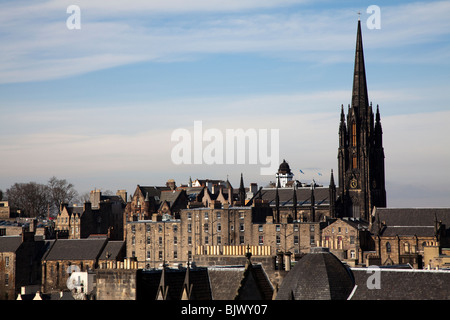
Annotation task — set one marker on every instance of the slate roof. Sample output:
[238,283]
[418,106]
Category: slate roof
[410,221]
[321,196]
[402,284]
[76,249]
[153,191]
[10,243]
[149,281]
[319,275]
[225,281]
[112,250]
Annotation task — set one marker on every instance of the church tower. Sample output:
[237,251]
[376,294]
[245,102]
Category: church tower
[361,153]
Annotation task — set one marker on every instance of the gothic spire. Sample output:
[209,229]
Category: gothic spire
[242,191]
[360,98]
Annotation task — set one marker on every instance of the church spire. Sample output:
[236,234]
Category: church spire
[360,98]
[242,192]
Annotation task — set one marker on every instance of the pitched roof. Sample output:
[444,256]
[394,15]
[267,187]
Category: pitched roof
[112,250]
[410,221]
[402,284]
[76,249]
[10,243]
[321,196]
[225,281]
[174,280]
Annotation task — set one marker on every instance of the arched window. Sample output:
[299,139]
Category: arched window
[354,134]
[388,247]
[406,247]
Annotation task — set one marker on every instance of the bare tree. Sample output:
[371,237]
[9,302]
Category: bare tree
[32,198]
[60,191]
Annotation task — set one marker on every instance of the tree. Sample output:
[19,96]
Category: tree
[60,191]
[31,198]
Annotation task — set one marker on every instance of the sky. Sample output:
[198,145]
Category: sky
[98,105]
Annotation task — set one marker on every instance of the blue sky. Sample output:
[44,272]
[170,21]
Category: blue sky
[97,106]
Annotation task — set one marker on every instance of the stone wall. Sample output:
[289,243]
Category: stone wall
[116,284]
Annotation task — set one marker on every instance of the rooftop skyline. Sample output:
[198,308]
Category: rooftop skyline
[97,106]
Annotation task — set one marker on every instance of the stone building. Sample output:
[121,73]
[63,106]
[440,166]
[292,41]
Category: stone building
[8,212]
[19,263]
[66,256]
[400,235]
[238,282]
[100,215]
[348,239]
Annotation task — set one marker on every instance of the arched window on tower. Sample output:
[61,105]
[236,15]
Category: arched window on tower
[354,134]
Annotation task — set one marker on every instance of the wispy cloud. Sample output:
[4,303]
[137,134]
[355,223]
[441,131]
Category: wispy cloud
[38,46]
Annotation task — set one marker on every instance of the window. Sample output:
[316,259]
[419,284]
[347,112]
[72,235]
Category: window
[189,227]
[189,255]
[241,215]
[175,228]
[219,240]
[311,239]
[354,135]
[206,215]
[219,227]
[6,261]
[218,215]
[278,240]
[133,228]
[261,240]
[206,240]
[133,240]
[260,228]
[339,229]
[160,255]
[160,241]
[352,254]
[148,255]
[406,247]
[175,255]
[175,240]
[277,228]
[148,240]
[206,227]
[388,247]
[352,239]
[241,240]
[295,227]
[148,228]
[241,227]
[295,239]
[6,279]
[189,216]
[189,240]
[312,228]
[160,228]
